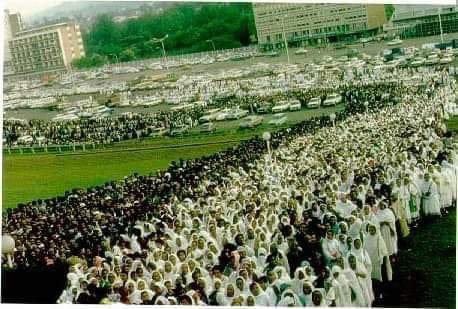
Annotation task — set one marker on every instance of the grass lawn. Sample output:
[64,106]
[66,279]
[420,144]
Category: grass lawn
[31,176]
[426,275]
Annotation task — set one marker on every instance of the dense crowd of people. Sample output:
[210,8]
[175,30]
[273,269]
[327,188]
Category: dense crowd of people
[316,221]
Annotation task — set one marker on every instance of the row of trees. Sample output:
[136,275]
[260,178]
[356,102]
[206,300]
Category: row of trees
[189,27]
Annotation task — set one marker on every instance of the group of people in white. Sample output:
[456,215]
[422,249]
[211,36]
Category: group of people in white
[315,222]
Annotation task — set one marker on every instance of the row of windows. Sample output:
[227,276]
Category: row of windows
[35,52]
[325,30]
[36,38]
[47,65]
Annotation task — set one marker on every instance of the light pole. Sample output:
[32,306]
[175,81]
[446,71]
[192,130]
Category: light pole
[117,62]
[440,25]
[284,36]
[161,40]
[333,119]
[213,45]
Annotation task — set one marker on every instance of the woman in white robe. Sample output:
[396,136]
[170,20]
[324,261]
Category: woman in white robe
[340,287]
[363,258]
[357,275]
[430,197]
[376,248]
[388,228]
[226,295]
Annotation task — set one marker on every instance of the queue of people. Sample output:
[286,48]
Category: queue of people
[316,221]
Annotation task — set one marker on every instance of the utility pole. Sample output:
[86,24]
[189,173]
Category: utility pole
[161,40]
[440,25]
[284,37]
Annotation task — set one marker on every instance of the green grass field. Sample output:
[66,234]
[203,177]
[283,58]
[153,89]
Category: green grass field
[31,176]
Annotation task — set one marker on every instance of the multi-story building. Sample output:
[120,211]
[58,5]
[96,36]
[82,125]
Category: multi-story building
[410,21]
[12,25]
[311,23]
[48,48]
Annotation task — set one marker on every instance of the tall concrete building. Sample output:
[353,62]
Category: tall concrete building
[12,25]
[309,23]
[414,20]
[48,48]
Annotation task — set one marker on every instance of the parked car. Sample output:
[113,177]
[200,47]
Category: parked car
[446,60]
[208,127]
[251,121]
[332,99]
[159,131]
[236,114]
[282,106]
[432,59]
[278,119]
[394,42]
[295,105]
[301,51]
[417,61]
[264,109]
[181,130]
[314,103]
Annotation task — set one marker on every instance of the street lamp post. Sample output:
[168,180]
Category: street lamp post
[161,40]
[333,119]
[266,136]
[440,26]
[213,45]
[284,36]
[117,62]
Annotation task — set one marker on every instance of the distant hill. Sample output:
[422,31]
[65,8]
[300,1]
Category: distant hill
[90,9]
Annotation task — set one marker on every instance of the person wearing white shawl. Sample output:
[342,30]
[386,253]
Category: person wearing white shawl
[352,275]
[146,297]
[340,287]
[226,295]
[355,227]
[343,248]
[388,228]
[134,295]
[362,257]
[282,275]
[305,296]
[445,187]
[362,275]
[289,299]
[344,206]
[330,247]
[261,298]
[430,197]
[319,298]
[376,248]
[298,281]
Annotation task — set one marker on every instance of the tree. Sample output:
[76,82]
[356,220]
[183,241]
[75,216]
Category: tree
[188,25]
[389,10]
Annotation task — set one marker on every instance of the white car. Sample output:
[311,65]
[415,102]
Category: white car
[294,105]
[222,115]
[332,99]
[25,139]
[418,61]
[278,119]
[251,122]
[394,42]
[446,60]
[301,51]
[282,106]
[314,103]
[365,40]
[236,114]
[432,60]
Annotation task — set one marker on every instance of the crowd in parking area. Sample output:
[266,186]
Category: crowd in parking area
[248,94]
[318,219]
